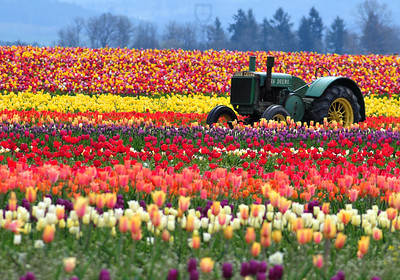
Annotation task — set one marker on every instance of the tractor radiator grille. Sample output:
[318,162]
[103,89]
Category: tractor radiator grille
[241,91]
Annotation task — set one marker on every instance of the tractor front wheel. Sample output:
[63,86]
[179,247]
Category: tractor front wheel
[221,114]
[338,103]
[275,112]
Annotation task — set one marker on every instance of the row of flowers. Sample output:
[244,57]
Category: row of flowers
[110,103]
[142,72]
[242,236]
[304,162]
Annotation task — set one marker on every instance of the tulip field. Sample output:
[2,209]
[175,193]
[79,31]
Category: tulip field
[108,170]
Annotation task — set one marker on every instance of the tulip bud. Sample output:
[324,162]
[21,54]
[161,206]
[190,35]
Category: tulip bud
[48,233]
[377,234]
[318,261]
[196,241]
[340,240]
[250,235]
[228,232]
[255,249]
[277,236]
[206,265]
[69,264]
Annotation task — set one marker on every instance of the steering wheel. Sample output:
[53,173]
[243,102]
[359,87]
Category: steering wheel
[321,68]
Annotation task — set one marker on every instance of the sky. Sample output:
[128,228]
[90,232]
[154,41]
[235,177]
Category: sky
[34,23]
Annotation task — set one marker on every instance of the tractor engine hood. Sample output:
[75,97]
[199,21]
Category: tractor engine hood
[277,79]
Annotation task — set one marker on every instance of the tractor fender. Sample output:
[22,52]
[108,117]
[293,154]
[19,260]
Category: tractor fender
[318,87]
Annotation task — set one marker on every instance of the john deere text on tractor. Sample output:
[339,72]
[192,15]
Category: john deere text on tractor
[274,96]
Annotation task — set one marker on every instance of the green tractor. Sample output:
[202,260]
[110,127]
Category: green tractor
[276,96]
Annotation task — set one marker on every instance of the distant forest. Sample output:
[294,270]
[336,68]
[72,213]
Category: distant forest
[244,33]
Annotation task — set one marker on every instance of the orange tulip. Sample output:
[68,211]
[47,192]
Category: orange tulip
[377,234]
[329,229]
[206,265]
[215,208]
[196,242]
[48,234]
[255,249]
[284,205]
[304,235]
[80,206]
[12,202]
[111,199]
[255,210]
[363,245]
[277,236]
[265,241]
[353,195]
[325,208]
[317,237]
[69,264]
[165,235]
[184,203]
[297,224]
[250,235]
[274,198]
[265,229]
[340,240]
[30,194]
[190,222]
[228,232]
[318,261]
[391,213]
[123,224]
[158,197]
[135,224]
[100,201]
[344,216]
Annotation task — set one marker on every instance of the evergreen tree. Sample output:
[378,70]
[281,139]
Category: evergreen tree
[310,32]
[336,36]
[244,31]
[277,33]
[304,34]
[317,28]
[216,36]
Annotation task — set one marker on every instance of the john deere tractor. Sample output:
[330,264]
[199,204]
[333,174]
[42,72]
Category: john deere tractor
[275,96]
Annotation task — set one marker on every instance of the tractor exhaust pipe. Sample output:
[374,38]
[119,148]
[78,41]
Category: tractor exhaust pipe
[252,63]
[270,64]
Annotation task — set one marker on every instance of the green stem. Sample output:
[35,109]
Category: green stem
[326,255]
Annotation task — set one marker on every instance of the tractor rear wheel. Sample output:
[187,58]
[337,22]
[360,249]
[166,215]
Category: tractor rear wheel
[222,115]
[337,103]
[275,112]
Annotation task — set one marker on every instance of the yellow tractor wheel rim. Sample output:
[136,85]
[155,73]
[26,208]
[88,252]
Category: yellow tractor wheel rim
[279,118]
[341,112]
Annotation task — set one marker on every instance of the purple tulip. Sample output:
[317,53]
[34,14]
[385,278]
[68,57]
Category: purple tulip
[192,265]
[262,266]
[261,276]
[253,267]
[104,275]
[341,275]
[275,273]
[244,269]
[173,274]
[227,270]
[194,274]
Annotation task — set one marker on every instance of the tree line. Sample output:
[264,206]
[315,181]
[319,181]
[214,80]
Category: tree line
[244,33]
